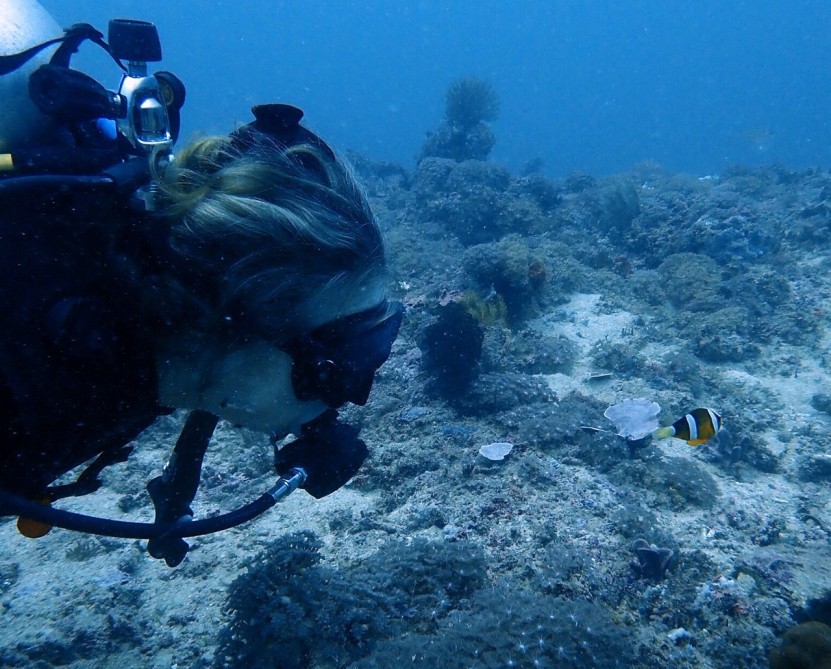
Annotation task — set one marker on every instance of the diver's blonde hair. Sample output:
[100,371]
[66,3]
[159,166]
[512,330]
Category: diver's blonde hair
[261,236]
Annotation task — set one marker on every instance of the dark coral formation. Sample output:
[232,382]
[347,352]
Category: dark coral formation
[289,610]
[509,628]
[652,561]
[469,198]
[452,347]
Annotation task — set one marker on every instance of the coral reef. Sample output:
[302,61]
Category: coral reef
[542,191]
[806,646]
[508,268]
[532,352]
[691,282]
[470,199]
[506,627]
[683,482]
[614,204]
[291,611]
[492,393]
[470,103]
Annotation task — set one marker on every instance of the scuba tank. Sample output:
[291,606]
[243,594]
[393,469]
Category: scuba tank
[23,24]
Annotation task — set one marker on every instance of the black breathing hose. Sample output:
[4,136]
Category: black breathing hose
[12,504]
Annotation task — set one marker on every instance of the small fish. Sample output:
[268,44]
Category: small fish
[759,139]
[696,428]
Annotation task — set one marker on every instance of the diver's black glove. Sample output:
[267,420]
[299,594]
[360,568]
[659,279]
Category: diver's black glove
[329,452]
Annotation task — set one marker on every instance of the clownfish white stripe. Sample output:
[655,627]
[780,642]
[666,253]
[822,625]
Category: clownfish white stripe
[692,427]
[714,419]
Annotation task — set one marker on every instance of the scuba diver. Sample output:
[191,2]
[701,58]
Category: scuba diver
[242,279]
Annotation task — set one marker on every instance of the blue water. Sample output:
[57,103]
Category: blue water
[591,85]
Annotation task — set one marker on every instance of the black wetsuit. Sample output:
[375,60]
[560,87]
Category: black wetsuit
[77,378]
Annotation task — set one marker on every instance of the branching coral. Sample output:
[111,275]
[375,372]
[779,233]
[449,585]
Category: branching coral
[469,101]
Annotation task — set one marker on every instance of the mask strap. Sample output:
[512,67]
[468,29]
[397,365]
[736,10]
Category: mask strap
[282,124]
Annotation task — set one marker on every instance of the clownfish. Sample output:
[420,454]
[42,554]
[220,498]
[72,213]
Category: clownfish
[696,428]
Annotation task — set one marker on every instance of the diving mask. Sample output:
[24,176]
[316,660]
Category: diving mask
[336,363]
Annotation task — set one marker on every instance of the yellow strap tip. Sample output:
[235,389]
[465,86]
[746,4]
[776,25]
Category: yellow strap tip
[34,529]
